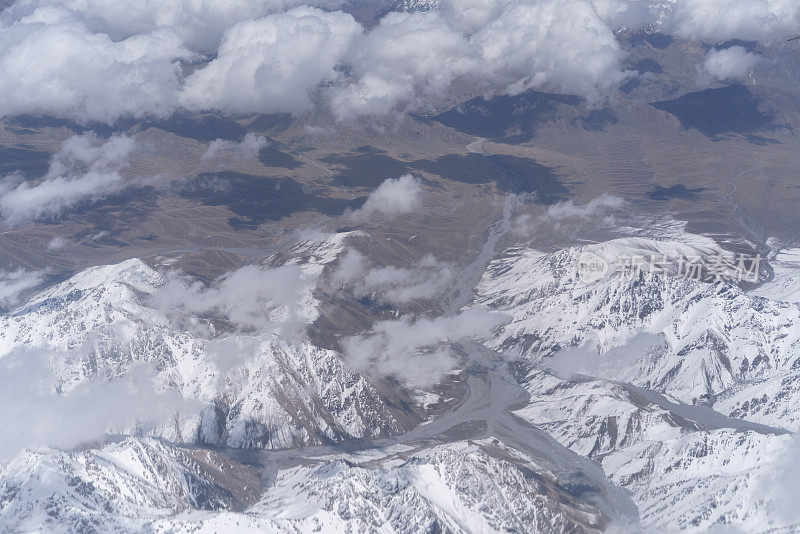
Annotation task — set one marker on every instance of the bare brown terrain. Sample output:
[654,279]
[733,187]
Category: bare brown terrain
[723,159]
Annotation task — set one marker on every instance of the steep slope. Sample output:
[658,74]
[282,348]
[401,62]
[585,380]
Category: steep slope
[477,486]
[689,467]
[238,389]
[702,480]
[119,487]
[693,421]
[717,339]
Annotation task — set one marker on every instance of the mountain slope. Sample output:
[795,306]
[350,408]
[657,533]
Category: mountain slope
[237,389]
[718,340]
[695,421]
[145,484]
[119,487]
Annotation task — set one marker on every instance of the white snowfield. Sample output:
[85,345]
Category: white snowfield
[265,391]
[145,485]
[697,425]
[690,424]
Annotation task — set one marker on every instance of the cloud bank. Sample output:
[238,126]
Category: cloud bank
[418,351]
[37,413]
[727,64]
[425,279]
[511,46]
[85,169]
[199,23]
[720,20]
[53,64]
[394,197]
[407,57]
[99,60]
[14,283]
[273,64]
[251,298]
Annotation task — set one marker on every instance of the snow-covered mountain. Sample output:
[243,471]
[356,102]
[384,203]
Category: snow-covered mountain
[722,346]
[688,467]
[252,393]
[696,421]
[679,391]
[147,485]
[120,487]
[266,390]
[415,5]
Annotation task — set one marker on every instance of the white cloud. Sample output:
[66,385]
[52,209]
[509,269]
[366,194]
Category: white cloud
[715,20]
[273,64]
[14,283]
[394,197]
[105,59]
[425,279]
[406,58]
[247,148]
[418,351]
[251,298]
[782,486]
[37,413]
[52,64]
[721,65]
[84,170]
[199,23]
[614,364]
[559,45]
[599,210]
[57,243]
[596,206]
[625,13]
[719,20]
[512,45]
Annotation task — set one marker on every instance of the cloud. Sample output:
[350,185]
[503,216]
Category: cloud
[614,364]
[199,23]
[469,16]
[105,59]
[14,283]
[425,279]
[57,243]
[721,65]
[37,412]
[247,148]
[570,210]
[407,58]
[228,353]
[596,211]
[559,45]
[273,64]
[394,197]
[720,20]
[626,13]
[782,487]
[418,351]
[411,59]
[251,298]
[85,169]
[713,20]
[52,64]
